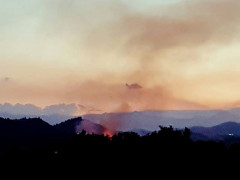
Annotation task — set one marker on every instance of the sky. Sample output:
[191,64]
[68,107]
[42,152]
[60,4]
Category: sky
[120,55]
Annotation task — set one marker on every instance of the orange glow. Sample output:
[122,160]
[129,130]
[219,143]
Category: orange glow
[108,133]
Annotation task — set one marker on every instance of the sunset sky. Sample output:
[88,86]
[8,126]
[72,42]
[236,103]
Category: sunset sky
[173,54]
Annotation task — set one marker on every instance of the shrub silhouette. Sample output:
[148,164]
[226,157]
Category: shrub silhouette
[168,147]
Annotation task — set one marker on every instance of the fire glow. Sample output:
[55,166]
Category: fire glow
[108,134]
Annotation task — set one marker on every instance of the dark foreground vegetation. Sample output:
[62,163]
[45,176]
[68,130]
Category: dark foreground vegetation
[165,144]
[168,148]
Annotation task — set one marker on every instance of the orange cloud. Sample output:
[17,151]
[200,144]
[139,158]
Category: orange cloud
[86,52]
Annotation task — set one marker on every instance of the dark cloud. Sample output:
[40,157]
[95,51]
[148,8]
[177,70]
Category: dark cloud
[6,79]
[133,86]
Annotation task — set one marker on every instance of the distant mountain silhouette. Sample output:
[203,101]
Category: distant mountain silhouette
[24,127]
[76,125]
[69,126]
[199,137]
[24,134]
[90,127]
[147,120]
[141,132]
[220,131]
[51,118]
[150,120]
[35,129]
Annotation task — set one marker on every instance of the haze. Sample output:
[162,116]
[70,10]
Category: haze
[172,54]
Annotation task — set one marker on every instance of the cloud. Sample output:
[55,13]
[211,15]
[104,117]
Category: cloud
[33,110]
[20,109]
[6,79]
[61,109]
[133,86]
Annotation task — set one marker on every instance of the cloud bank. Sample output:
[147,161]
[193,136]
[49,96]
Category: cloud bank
[32,110]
